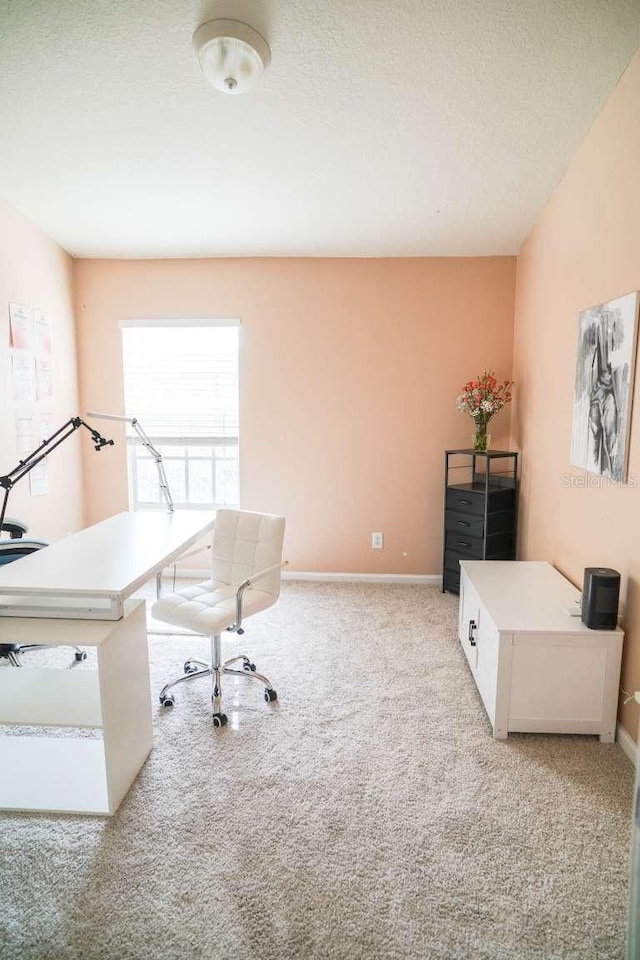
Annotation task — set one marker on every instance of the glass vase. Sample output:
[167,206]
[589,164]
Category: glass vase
[481,438]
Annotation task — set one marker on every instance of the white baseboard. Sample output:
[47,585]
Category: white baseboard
[429,579]
[626,744]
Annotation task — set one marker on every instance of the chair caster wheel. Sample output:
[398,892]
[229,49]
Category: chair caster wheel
[249,667]
[167,701]
[190,668]
[81,655]
[219,719]
[270,695]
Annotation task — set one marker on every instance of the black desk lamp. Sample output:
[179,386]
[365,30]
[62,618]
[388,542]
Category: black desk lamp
[31,460]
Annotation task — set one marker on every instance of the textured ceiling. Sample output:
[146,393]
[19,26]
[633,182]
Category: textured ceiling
[403,128]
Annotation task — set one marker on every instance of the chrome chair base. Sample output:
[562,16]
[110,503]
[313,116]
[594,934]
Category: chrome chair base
[193,669]
[12,651]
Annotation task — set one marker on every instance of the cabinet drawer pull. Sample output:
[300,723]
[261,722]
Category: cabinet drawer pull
[463,523]
[467,502]
[463,543]
[473,626]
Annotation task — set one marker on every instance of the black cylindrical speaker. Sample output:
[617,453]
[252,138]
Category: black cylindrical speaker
[600,593]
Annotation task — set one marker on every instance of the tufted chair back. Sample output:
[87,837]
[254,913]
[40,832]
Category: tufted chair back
[245,543]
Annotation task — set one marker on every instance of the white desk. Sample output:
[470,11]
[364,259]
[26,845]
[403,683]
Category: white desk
[90,574]
[76,774]
[74,593]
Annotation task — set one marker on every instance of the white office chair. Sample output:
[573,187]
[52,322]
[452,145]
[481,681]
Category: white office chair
[246,566]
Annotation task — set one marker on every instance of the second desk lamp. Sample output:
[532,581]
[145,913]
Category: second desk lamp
[146,442]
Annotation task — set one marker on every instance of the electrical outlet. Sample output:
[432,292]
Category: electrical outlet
[377,541]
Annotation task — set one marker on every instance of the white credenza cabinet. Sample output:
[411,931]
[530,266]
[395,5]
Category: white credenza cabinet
[537,668]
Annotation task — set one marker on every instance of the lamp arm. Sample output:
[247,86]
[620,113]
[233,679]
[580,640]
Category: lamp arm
[137,426]
[157,456]
[9,480]
[146,442]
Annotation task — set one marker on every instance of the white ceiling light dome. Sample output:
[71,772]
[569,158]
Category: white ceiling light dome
[233,55]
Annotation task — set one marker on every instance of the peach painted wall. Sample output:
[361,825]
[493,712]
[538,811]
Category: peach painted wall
[349,370]
[35,272]
[584,250]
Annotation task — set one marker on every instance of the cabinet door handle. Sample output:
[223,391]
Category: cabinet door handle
[473,626]
[463,523]
[463,543]
[467,502]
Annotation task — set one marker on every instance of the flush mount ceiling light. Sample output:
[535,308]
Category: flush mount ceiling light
[233,56]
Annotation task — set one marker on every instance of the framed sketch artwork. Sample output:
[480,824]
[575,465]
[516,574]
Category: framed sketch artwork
[604,387]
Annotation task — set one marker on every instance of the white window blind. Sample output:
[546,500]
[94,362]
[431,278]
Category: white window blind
[181,384]
[182,381]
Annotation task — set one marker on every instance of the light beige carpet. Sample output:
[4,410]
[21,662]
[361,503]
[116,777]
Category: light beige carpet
[367,814]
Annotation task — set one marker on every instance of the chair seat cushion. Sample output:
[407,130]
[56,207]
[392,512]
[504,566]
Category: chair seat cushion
[208,608]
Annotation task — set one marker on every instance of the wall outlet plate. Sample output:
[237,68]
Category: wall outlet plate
[377,541]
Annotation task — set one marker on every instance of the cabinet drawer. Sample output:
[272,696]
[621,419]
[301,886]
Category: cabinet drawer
[471,499]
[465,501]
[464,523]
[460,546]
[464,546]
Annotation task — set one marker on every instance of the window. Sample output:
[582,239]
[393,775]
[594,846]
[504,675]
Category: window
[181,384]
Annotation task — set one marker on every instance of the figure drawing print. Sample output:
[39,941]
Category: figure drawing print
[604,387]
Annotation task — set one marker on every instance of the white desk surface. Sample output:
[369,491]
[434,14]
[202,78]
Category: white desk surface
[511,590]
[114,557]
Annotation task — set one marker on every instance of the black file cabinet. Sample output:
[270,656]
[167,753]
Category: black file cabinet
[479,510]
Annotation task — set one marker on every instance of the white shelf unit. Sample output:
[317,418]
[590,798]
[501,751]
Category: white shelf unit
[537,668]
[76,774]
